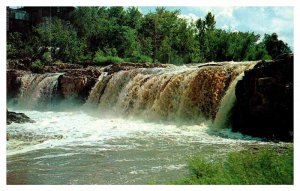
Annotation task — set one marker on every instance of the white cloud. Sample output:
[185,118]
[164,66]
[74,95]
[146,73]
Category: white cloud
[225,12]
[284,12]
[189,17]
[260,20]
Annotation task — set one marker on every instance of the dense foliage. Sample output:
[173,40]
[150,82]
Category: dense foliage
[117,34]
[263,166]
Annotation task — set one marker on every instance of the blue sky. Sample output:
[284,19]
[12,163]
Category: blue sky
[260,20]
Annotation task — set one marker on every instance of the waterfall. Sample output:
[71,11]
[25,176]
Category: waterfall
[38,90]
[188,94]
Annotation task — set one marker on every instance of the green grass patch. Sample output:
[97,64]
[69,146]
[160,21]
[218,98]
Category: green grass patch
[102,58]
[262,166]
[106,60]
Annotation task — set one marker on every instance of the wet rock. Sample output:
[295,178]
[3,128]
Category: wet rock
[77,83]
[62,67]
[264,106]
[17,118]
[13,82]
[19,64]
[129,66]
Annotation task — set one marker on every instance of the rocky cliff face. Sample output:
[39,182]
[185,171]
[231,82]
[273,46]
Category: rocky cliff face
[76,84]
[264,106]
[13,82]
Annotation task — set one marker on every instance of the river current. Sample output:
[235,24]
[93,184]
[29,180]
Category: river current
[73,147]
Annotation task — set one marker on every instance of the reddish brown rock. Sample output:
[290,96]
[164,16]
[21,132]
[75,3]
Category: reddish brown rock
[76,84]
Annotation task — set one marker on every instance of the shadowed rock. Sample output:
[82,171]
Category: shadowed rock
[13,82]
[264,104]
[17,118]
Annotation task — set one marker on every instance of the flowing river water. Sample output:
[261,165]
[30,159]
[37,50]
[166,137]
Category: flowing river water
[145,125]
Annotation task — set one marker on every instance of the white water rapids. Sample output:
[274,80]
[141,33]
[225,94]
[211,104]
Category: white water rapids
[75,148]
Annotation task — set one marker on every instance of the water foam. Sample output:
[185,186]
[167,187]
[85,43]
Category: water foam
[76,129]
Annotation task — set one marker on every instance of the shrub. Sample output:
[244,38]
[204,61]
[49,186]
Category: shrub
[20,45]
[47,58]
[138,58]
[62,39]
[37,66]
[265,166]
[58,62]
[102,59]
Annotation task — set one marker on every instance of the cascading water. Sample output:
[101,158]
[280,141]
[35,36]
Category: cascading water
[188,94]
[71,147]
[222,117]
[37,90]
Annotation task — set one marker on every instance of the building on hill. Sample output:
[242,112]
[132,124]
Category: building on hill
[23,19]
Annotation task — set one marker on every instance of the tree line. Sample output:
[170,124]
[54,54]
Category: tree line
[104,35]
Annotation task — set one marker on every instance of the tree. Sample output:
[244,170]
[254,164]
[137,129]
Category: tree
[200,24]
[210,21]
[133,18]
[61,39]
[274,46]
[162,35]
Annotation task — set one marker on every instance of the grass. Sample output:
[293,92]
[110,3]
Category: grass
[105,60]
[262,166]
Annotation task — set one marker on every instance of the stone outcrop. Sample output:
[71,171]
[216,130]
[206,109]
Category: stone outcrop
[17,118]
[129,66]
[13,82]
[264,106]
[76,84]
[19,64]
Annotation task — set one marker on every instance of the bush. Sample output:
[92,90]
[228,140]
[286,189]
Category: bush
[37,66]
[102,59]
[47,58]
[264,166]
[58,62]
[138,58]
[20,45]
[62,39]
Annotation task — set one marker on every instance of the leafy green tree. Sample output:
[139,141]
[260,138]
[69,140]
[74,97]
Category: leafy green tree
[200,24]
[100,33]
[210,21]
[133,18]
[258,52]
[61,39]
[21,45]
[170,39]
[274,46]
[92,24]
[117,15]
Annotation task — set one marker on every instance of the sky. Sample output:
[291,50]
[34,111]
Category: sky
[260,20]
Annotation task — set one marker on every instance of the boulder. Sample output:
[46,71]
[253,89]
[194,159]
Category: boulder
[13,82]
[77,83]
[17,118]
[264,106]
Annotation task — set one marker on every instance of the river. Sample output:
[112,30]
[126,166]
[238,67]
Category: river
[72,147]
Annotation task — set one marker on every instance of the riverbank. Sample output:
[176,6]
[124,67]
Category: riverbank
[255,165]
